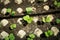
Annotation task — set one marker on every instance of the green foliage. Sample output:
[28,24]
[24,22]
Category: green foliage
[28,18]
[48,33]
[9,10]
[13,26]
[43,19]
[11,36]
[47,19]
[6,38]
[28,10]
[57,3]
[13,13]
[32,36]
[58,21]
[29,39]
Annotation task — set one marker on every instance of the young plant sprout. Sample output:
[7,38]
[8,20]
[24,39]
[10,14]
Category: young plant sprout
[49,18]
[43,19]
[6,11]
[11,36]
[6,38]
[57,21]
[9,10]
[28,18]
[57,3]
[12,26]
[29,10]
[13,13]
[48,33]
[31,37]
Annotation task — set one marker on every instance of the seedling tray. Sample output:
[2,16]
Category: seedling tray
[13,19]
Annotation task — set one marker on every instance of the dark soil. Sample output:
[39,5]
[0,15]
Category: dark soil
[29,28]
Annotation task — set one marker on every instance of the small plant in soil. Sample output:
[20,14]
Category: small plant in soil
[29,10]
[56,3]
[47,18]
[13,13]
[12,26]
[28,18]
[9,10]
[48,33]
[57,21]
[10,37]
[6,38]
[31,37]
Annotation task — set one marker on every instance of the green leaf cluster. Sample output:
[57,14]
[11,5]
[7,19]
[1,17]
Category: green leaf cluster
[12,26]
[57,3]
[48,33]
[10,37]
[28,18]
[31,37]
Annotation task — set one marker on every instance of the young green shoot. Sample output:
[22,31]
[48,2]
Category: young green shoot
[6,38]
[28,18]
[9,10]
[48,33]
[29,10]
[57,21]
[57,3]
[12,26]
[11,36]
[13,13]
[29,39]
[32,36]
[47,19]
